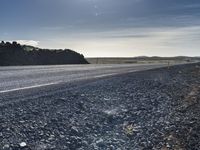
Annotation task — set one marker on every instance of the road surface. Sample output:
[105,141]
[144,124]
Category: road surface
[71,108]
[29,77]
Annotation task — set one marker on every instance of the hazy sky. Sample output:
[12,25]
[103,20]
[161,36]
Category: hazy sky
[105,27]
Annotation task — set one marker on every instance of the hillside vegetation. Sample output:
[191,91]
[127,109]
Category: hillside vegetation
[16,54]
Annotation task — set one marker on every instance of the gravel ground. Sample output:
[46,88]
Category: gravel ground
[154,109]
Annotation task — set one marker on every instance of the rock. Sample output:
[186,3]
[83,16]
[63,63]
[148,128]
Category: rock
[6,146]
[100,143]
[22,144]
[51,137]
[106,99]
[74,130]
[81,105]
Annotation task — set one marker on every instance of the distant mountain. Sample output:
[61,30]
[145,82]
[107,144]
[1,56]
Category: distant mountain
[15,54]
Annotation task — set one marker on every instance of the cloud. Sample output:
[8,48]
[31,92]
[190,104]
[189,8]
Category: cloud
[54,27]
[28,42]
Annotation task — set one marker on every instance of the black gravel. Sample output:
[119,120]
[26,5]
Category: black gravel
[154,109]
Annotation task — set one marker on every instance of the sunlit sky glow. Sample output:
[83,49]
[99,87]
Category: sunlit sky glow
[105,28]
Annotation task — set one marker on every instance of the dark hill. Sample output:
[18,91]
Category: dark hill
[16,54]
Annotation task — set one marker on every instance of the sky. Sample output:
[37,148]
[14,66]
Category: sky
[105,28]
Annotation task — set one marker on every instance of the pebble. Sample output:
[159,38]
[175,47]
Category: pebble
[6,146]
[22,144]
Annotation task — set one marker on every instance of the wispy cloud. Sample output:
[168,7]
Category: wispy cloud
[28,42]
[53,28]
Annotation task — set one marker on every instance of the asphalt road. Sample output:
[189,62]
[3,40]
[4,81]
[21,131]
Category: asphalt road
[30,77]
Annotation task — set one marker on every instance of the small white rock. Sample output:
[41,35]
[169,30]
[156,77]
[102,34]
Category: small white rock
[6,146]
[22,144]
[99,141]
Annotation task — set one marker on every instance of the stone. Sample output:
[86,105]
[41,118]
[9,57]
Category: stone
[23,144]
